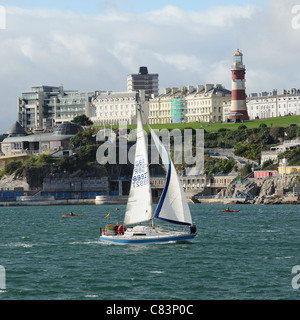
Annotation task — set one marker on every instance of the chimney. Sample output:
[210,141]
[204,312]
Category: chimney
[200,88]
[208,87]
[190,89]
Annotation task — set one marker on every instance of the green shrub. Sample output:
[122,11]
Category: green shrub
[12,167]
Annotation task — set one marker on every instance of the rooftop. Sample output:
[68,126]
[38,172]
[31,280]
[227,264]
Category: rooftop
[63,132]
[67,128]
[16,130]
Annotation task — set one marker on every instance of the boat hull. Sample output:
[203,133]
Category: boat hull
[135,236]
[123,240]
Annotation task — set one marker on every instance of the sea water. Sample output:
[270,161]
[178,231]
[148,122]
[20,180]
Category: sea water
[244,255]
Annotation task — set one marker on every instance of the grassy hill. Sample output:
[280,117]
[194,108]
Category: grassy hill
[214,127]
[248,138]
[281,121]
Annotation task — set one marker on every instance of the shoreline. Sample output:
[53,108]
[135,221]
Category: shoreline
[267,200]
[48,203]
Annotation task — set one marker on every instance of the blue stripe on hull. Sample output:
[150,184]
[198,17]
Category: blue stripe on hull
[137,241]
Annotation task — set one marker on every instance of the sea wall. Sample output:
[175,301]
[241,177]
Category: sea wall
[111,200]
[48,203]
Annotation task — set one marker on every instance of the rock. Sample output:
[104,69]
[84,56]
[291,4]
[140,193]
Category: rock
[11,182]
[290,200]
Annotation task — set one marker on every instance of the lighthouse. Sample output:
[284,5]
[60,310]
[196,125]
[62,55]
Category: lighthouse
[238,110]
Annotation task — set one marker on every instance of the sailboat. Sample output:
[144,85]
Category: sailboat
[140,220]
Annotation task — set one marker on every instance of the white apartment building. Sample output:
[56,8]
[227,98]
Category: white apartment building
[189,104]
[45,107]
[226,110]
[271,104]
[113,108]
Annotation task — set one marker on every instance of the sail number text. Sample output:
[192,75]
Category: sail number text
[140,176]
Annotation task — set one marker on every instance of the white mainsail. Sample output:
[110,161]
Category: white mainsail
[172,206]
[139,206]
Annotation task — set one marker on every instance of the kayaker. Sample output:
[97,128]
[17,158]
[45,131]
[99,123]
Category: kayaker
[71,213]
[227,209]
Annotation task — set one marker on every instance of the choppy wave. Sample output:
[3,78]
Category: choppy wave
[243,256]
[18,245]
[84,242]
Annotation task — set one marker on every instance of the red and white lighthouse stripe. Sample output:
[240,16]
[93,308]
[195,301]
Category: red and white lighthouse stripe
[238,95]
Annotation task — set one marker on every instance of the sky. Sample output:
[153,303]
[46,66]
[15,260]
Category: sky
[95,44]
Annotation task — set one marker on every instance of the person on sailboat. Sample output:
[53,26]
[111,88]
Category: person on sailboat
[120,230]
[116,228]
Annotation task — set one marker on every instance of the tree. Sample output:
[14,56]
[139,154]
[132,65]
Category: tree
[43,159]
[83,120]
[246,170]
[87,153]
[293,156]
[276,133]
[84,138]
[269,165]
[250,151]
[66,164]
[11,167]
[263,125]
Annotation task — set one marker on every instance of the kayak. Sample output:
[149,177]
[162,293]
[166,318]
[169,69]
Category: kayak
[73,215]
[229,211]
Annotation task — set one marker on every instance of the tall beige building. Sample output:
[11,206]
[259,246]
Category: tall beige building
[205,104]
[160,107]
[189,104]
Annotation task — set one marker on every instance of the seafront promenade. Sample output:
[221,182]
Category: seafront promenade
[292,198]
[48,203]
[222,189]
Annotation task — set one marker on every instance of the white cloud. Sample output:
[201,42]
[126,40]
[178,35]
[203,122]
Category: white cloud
[223,16]
[92,52]
[181,62]
[166,16]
